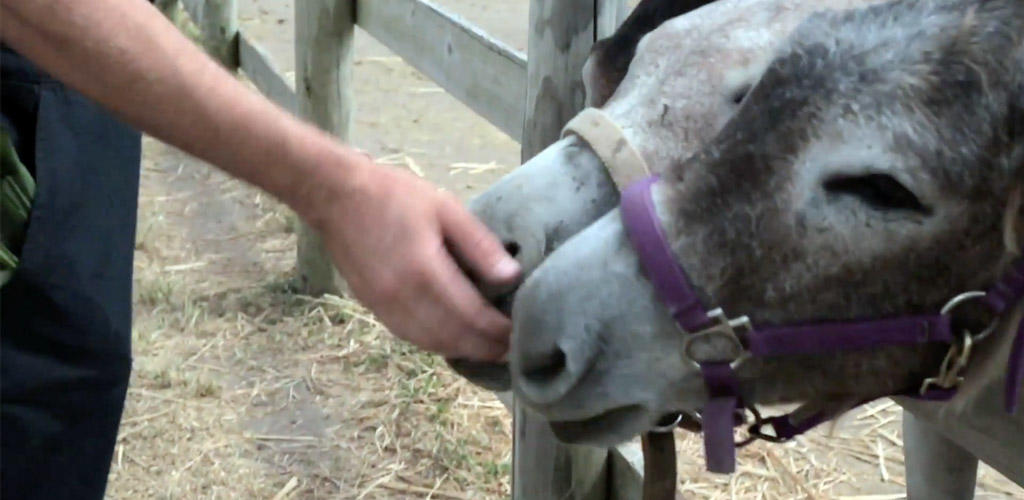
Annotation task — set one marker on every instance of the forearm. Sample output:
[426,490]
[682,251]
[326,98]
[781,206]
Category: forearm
[126,56]
[400,243]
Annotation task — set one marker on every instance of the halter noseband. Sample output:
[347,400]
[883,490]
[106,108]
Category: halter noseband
[709,334]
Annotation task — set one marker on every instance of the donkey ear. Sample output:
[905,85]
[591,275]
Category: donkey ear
[610,57]
[599,79]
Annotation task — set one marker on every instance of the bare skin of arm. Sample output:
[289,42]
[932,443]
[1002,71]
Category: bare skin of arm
[395,238]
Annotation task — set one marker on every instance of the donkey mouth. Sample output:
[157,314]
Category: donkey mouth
[606,429]
[494,377]
[504,302]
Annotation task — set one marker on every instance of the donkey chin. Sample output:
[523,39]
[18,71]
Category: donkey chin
[599,379]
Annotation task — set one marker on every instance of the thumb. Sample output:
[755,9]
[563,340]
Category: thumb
[475,247]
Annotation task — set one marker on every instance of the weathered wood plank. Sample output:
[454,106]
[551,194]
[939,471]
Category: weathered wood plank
[194,8]
[985,431]
[626,468]
[218,22]
[626,461]
[259,66]
[324,32]
[610,14]
[561,34]
[478,70]
[545,469]
[169,8]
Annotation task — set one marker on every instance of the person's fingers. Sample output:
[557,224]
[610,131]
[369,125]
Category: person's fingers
[475,246]
[475,348]
[401,250]
[437,328]
[457,296]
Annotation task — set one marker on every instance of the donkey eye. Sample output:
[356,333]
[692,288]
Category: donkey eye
[879,191]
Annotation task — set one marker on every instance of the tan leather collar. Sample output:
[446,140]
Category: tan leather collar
[622,161]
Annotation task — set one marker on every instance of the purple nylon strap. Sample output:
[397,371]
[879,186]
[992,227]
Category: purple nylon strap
[1000,297]
[853,335]
[1008,290]
[785,429]
[674,289]
[663,271]
[1015,371]
[717,417]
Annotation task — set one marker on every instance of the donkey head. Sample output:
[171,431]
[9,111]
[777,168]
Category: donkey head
[873,170]
[687,75]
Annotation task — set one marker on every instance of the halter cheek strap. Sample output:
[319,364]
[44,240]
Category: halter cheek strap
[708,331]
[714,330]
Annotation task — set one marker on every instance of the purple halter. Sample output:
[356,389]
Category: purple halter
[713,330]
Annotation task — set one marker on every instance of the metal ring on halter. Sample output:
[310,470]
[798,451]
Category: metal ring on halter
[670,427]
[964,298]
[754,432]
[718,343]
[959,354]
[952,365]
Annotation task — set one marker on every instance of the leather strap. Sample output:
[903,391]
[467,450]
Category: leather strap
[623,162]
[660,473]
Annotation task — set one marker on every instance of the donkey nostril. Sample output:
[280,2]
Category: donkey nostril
[547,368]
[512,248]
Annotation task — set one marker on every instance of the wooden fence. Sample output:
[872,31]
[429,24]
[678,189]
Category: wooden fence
[527,98]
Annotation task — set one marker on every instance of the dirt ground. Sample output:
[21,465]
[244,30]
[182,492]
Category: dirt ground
[243,388]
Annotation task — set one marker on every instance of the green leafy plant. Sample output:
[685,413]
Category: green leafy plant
[17,190]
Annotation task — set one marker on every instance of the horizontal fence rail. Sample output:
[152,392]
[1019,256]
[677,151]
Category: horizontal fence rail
[480,71]
[257,64]
[485,74]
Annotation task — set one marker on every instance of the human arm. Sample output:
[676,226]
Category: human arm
[388,232]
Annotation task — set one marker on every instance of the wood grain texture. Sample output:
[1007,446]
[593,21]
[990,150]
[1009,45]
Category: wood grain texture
[218,22]
[259,66]
[626,472]
[485,74]
[324,31]
[561,35]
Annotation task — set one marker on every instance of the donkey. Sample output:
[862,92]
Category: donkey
[670,81]
[885,143]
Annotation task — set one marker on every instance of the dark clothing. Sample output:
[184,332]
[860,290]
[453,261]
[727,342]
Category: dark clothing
[65,324]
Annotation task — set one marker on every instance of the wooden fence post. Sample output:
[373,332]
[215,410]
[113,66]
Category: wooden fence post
[170,8]
[219,25]
[324,32]
[561,35]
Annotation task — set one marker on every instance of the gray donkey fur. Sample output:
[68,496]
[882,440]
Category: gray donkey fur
[873,170]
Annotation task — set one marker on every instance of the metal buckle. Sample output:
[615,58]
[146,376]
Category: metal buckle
[952,365]
[959,355]
[755,432]
[685,419]
[669,427]
[964,298]
[721,337]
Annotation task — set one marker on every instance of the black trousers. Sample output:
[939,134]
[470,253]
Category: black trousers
[65,324]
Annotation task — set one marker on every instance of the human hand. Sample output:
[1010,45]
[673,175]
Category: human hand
[398,241]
